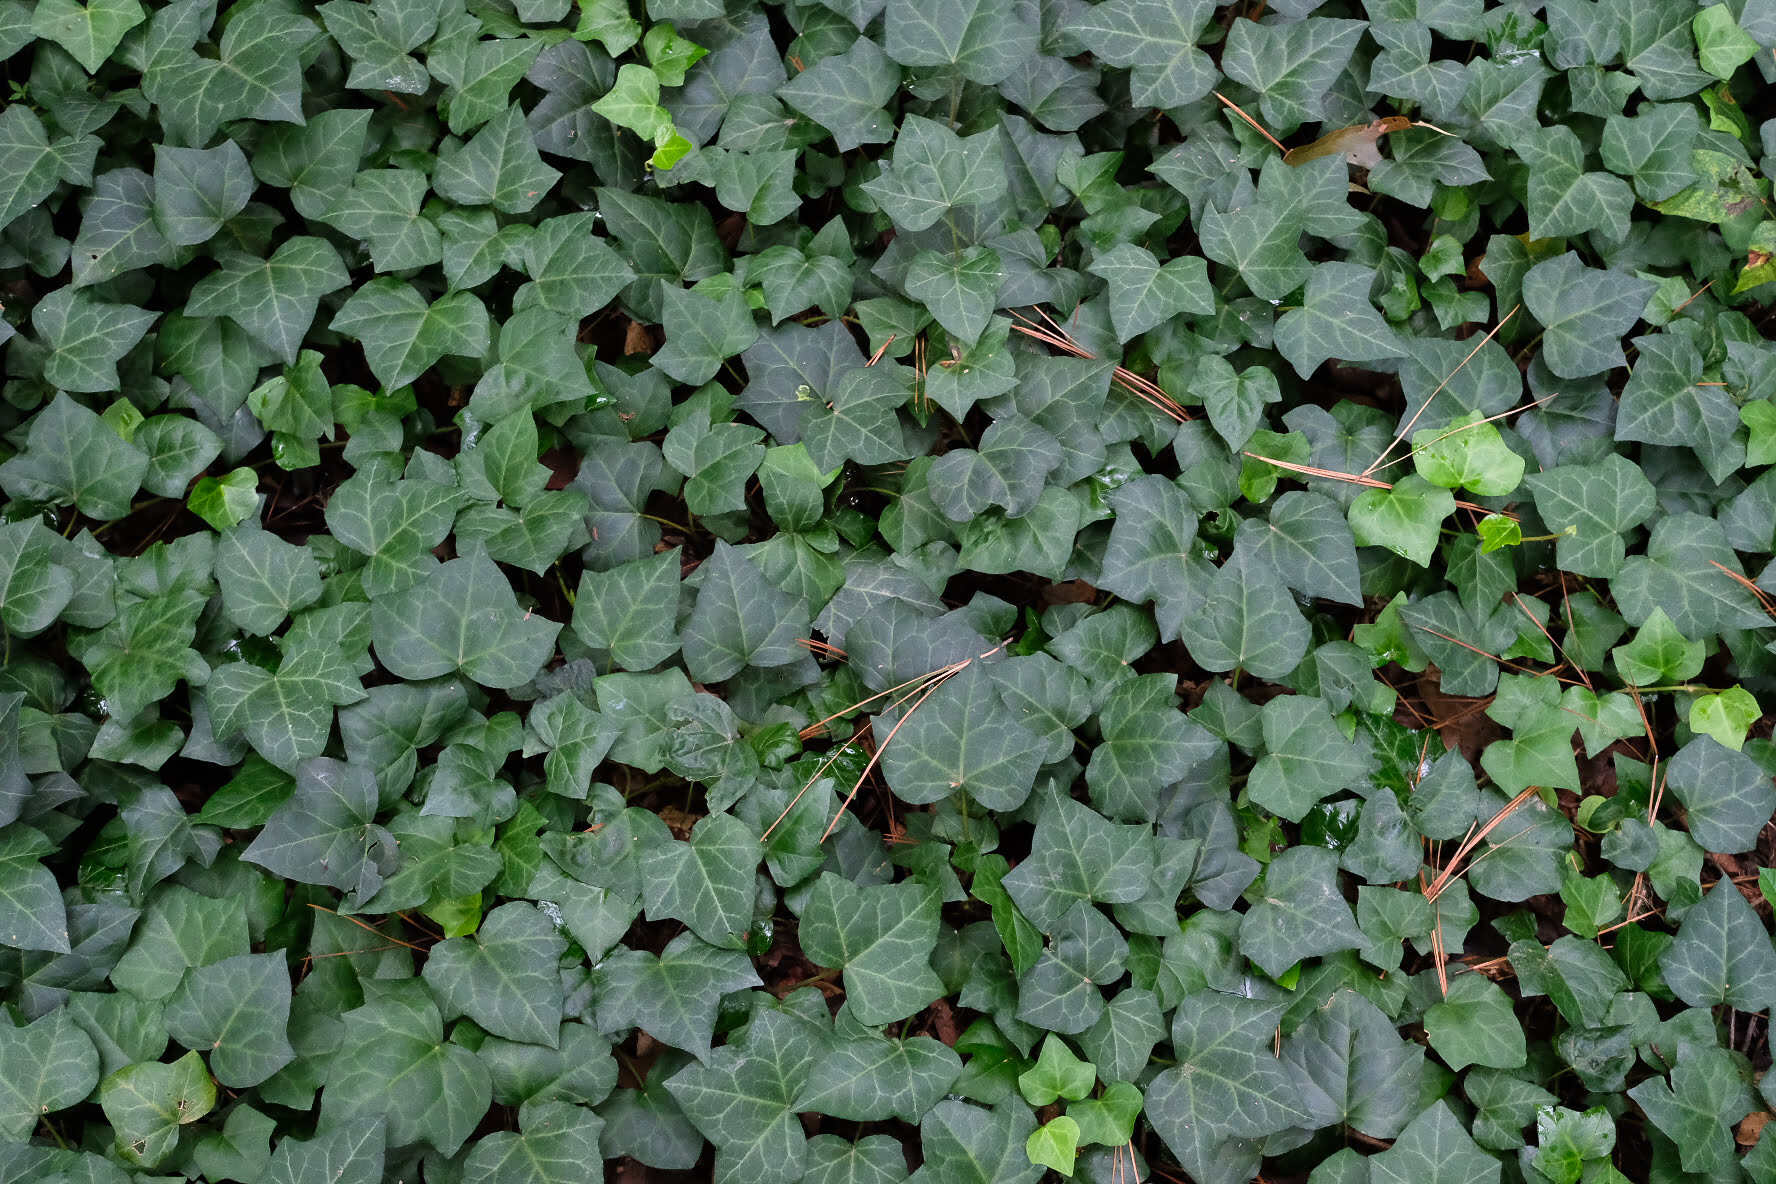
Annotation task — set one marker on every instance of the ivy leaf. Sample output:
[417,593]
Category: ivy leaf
[264,579]
[504,977]
[1336,320]
[740,620]
[1406,519]
[1263,240]
[197,190]
[1722,954]
[1144,745]
[33,589]
[1015,457]
[962,739]
[1659,654]
[148,1102]
[1726,795]
[394,522]
[382,208]
[377,37]
[702,331]
[1589,507]
[1226,1082]
[118,232]
[1307,543]
[1667,402]
[1144,294]
[462,616]
[705,881]
[1565,200]
[394,1063]
[1354,1068]
[1307,757]
[933,171]
[1584,312]
[970,1144]
[1652,148]
[959,289]
[32,166]
[72,456]
[89,31]
[256,73]
[348,1151]
[871,1079]
[881,937]
[1687,571]
[1434,1149]
[1060,992]
[1151,553]
[273,299]
[1697,1110]
[1157,39]
[1057,1073]
[1301,915]
[403,336]
[1079,856]
[325,833]
[1727,716]
[86,337]
[45,1066]
[982,40]
[1468,454]
[141,655]
[672,996]
[1292,65]
[1245,620]
[236,1010]
[558,1141]
[1473,1024]
[1054,1144]
[845,93]
[1235,400]
[630,610]
[498,166]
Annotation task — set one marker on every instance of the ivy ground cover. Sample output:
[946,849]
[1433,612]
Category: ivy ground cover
[852,591]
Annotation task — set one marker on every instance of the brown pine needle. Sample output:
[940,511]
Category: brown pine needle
[1407,430]
[1505,662]
[1439,954]
[366,926]
[1142,388]
[881,349]
[877,755]
[1453,868]
[818,726]
[1763,597]
[1237,110]
[1456,431]
[1558,648]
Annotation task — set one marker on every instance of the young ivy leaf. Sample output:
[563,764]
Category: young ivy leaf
[1057,1073]
[1467,454]
[1406,519]
[149,1101]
